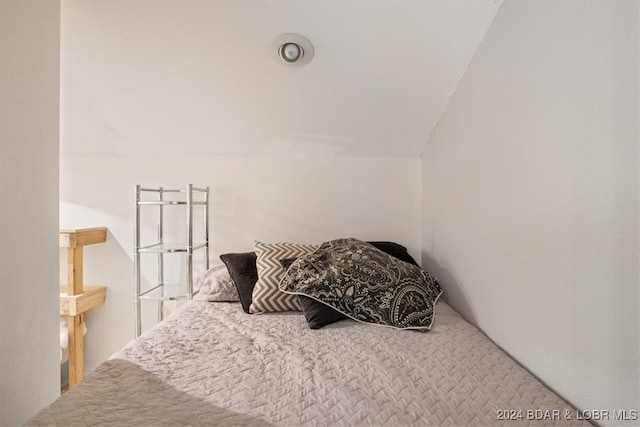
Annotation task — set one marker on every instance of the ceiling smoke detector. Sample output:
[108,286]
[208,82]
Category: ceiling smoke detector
[292,49]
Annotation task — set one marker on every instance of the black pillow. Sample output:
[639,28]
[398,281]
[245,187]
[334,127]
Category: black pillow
[317,313]
[396,251]
[243,271]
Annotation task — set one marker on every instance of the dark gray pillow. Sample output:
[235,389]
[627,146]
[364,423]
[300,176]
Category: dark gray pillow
[395,250]
[318,314]
[242,268]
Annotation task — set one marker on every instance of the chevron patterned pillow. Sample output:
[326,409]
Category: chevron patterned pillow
[267,297]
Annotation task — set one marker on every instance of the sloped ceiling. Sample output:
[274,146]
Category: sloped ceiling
[198,77]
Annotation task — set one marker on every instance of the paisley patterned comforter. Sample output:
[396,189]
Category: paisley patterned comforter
[213,364]
[366,284]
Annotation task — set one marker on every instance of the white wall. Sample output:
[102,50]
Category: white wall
[139,75]
[29,105]
[530,196]
[270,199]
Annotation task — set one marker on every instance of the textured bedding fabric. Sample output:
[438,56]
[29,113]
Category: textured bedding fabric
[212,364]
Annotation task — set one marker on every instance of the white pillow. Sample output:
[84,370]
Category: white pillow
[216,284]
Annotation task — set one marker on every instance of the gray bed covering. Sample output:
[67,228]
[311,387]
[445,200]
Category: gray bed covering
[213,364]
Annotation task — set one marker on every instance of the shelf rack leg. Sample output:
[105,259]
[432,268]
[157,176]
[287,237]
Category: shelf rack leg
[136,265]
[75,325]
[160,255]
[206,229]
[189,242]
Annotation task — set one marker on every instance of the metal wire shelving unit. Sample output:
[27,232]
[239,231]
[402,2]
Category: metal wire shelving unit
[190,198]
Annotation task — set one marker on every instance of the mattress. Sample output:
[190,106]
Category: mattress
[213,364]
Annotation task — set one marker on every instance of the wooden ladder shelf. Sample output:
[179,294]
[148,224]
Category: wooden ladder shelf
[75,298]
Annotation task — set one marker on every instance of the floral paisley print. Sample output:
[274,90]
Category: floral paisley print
[364,283]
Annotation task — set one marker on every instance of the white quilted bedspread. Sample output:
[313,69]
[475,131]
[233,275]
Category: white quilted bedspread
[212,364]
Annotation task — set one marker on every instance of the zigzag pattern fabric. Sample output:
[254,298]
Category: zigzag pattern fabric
[267,297]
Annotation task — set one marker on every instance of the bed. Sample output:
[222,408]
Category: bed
[210,363]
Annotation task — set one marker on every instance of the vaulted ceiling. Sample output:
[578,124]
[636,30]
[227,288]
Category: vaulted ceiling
[199,77]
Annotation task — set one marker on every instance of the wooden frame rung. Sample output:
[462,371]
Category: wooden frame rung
[72,305]
[72,238]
